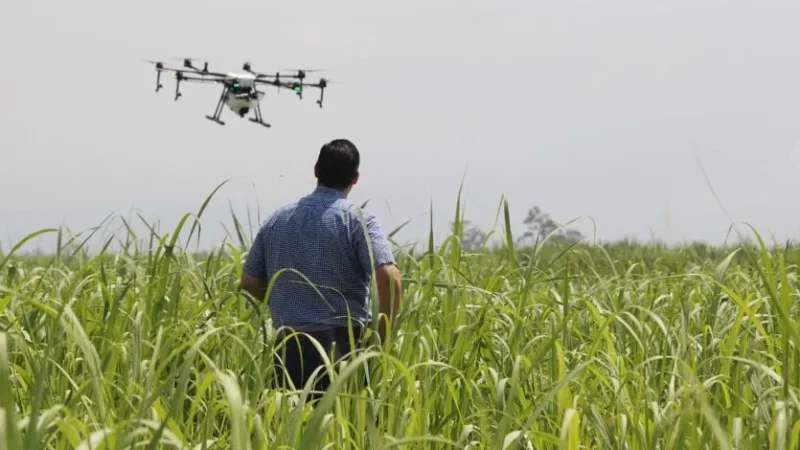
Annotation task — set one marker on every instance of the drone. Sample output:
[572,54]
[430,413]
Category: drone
[239,90]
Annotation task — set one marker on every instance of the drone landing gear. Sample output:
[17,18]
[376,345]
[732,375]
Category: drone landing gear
[260,122]
[242,111]
[214,119]
[258,118]
[218,109]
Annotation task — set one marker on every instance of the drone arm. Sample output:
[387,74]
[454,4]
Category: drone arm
[321,95]
[178,86]
[203,79]
[179,76]
[277,83]
[204,71]
[296,87]
[321,85]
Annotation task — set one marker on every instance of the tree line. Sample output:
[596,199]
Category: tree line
[538,226]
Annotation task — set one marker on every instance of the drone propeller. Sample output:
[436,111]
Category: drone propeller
[247,67]
[301,73]
[184,60]
[306,70]
[187,62]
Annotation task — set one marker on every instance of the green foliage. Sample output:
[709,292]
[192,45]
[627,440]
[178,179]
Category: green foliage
[560,345]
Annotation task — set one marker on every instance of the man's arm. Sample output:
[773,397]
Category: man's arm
[254,272]
[254,286]
[387,274]
[387,277]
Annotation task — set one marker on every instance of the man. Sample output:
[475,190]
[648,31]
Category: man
[321,236]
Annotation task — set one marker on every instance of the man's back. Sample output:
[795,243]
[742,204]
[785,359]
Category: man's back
[322,237]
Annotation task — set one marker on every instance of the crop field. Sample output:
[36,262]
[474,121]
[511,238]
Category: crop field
[555,346]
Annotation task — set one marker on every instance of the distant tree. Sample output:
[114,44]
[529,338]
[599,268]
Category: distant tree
[540,225]
[473,235]
[571,235]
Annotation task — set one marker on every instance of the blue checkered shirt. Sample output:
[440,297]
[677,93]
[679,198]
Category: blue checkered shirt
[322,237]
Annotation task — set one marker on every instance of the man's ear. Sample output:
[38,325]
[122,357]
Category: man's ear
[355,178]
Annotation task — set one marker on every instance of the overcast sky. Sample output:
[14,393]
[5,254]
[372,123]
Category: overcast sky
[597,110]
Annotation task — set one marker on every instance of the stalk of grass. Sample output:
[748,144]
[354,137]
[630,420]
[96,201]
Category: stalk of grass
[616,345]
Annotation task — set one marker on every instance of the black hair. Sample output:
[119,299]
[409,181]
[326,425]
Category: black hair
[337,164]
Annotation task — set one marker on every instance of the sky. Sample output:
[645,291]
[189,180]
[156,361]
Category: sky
[610,113]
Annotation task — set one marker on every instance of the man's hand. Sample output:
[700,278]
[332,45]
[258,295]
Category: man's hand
[387,277]
[254,286]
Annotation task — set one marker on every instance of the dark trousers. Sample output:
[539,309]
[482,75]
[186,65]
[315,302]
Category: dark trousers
[296,357]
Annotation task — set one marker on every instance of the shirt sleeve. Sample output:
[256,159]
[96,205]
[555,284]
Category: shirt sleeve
[381,247]
[254,265]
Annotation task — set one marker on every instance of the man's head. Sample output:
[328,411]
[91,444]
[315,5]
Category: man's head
[337,165]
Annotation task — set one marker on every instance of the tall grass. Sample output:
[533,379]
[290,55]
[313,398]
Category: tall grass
[618,346]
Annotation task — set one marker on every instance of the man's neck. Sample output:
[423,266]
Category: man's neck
[343,192]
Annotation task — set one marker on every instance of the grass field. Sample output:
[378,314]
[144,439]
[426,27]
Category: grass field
[618,346]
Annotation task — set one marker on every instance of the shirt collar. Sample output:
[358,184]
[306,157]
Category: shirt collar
[323,191]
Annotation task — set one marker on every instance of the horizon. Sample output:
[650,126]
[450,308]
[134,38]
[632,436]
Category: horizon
[192,235]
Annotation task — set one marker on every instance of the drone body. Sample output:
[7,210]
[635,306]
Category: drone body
[241,96]
[239,90]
